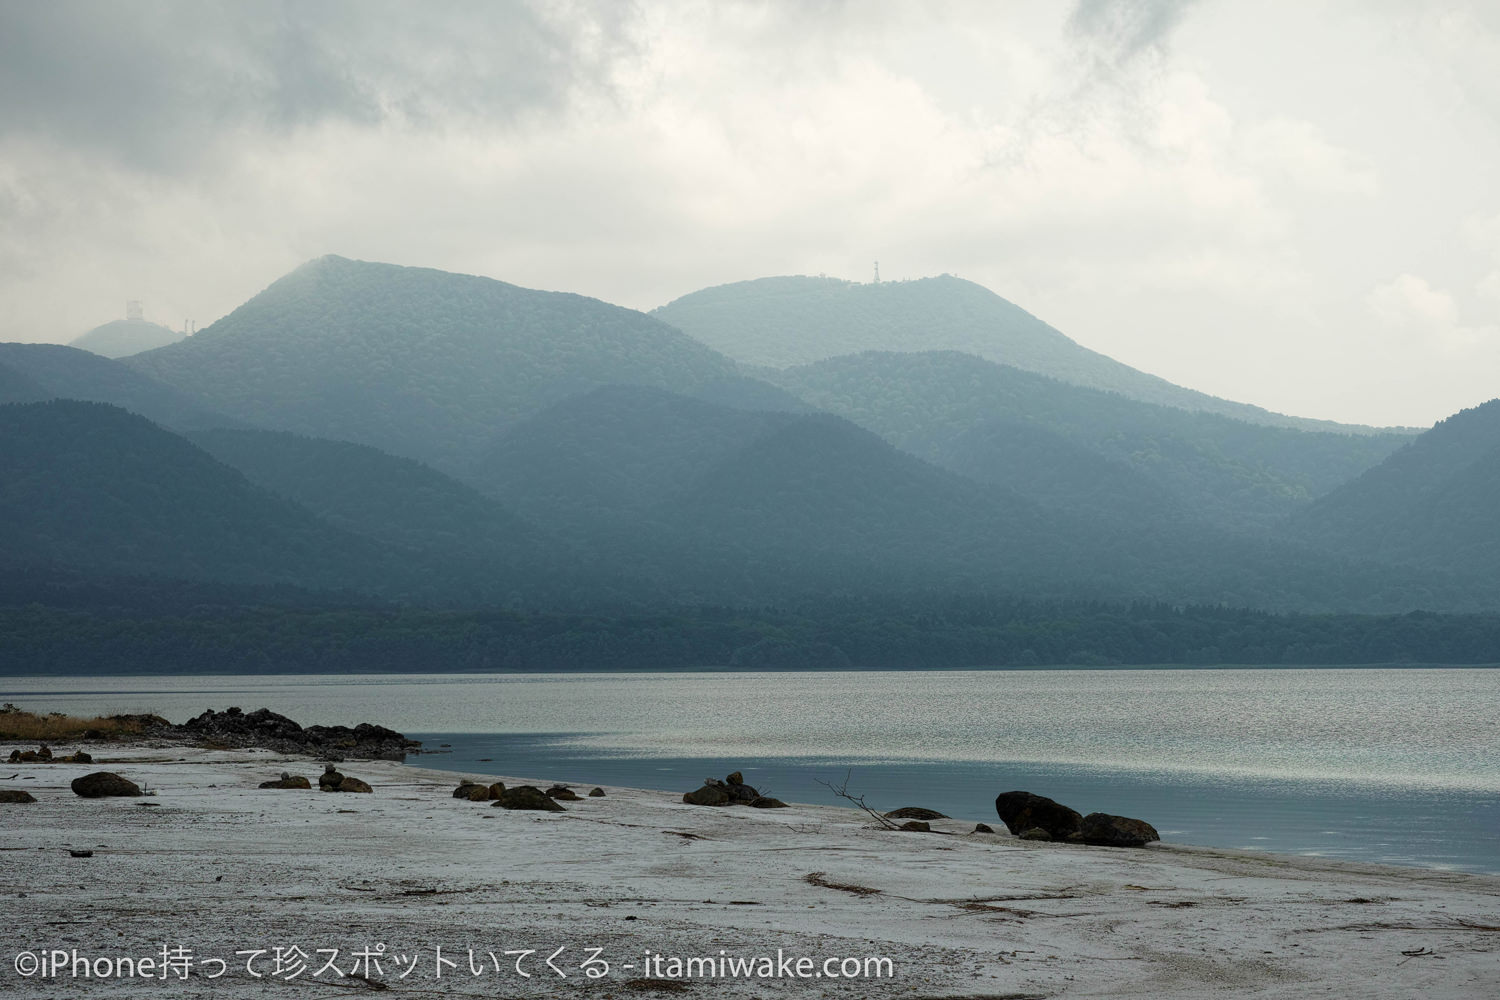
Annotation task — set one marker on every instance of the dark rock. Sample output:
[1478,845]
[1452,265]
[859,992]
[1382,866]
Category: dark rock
[1034,833]
[1104,830]
[104,783]
[526,797]
[914,812]
[16,795]
[287,781]
[76,757]
[563,792]
[352,784]
[497,789]
[736,778]
[264,728]
[465,789]
[708,795]
[766,802]
[597,793]
[478,793]
[330,779]
[1023,810]
[81,854]
[916,826]
[983,828]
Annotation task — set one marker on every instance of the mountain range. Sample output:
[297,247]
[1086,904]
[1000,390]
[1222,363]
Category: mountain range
[395,434]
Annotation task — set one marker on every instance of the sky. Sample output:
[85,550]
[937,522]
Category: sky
[1293,204]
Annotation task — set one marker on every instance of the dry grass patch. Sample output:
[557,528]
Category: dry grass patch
[55,727]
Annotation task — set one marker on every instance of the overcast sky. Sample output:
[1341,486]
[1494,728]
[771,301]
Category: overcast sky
[1295,204]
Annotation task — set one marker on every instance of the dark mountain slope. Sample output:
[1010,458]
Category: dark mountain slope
[1225,471]
[124,337]
[69,373]
[394,500]
[1433,503]
[713,504]
[799,320]
[613,454]
[17,387]
[91,487]
[418,362]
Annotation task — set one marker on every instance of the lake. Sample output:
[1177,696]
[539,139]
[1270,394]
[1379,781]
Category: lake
[1400,766]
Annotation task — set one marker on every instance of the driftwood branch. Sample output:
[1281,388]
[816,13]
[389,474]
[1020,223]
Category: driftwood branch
[842,791]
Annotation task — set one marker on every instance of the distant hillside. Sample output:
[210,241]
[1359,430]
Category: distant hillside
[123,337]
[786,321]
[971,416]
[418,362]
[91,487]
[396,501]
[51,371]
[721,505]
[1434,503]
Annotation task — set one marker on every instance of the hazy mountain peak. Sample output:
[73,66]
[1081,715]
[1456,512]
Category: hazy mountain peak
[420,362]
[123,337]
[783,321]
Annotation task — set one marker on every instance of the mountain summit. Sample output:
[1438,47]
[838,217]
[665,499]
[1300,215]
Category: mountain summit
[784,321]
[420,362]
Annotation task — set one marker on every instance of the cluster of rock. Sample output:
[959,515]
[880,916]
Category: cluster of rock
[732,791]
[43,755]
[332,781]
[522,796]
[265,728]
[288,781]
[1036,817]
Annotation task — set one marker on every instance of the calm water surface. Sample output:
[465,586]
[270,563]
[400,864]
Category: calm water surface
[1393,765]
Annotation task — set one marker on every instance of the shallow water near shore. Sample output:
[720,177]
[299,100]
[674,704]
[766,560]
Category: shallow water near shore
[1397,766]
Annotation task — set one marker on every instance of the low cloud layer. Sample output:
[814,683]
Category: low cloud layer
[1286,205]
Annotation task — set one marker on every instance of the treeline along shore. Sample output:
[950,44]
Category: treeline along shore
[165,631]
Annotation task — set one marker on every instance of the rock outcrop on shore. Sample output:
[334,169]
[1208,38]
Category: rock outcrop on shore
[265,728]
[16,796]
[527,797]
[732,791]
[1036,817]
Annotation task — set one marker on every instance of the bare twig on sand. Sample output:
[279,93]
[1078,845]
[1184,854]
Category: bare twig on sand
[842,791]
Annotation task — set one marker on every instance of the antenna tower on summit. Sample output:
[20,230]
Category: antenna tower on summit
[877,272]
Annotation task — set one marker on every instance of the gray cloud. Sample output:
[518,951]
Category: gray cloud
[1122,30]
[154,85]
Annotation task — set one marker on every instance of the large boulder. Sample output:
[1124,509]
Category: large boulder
[1104,830]
[708,795]
[914,812]
[563,792]
[330,779]
[100,784]
[287,781]
[1021,811]
[466,789]
[527,797]
[353,784]
[18,796]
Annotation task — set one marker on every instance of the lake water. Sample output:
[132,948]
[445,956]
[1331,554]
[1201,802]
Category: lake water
[1391,765]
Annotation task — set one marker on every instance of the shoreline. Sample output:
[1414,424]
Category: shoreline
[214,863]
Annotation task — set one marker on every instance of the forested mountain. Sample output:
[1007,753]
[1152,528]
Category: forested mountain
[50,371]
[732,506]
[962,412]
[1434,503]
[418,362]
[124,337]
[784,321]
[91,487]
[396,501]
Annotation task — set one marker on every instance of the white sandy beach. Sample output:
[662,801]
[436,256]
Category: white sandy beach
[213,865]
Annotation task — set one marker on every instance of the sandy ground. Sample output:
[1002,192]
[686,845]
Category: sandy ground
[216,867]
